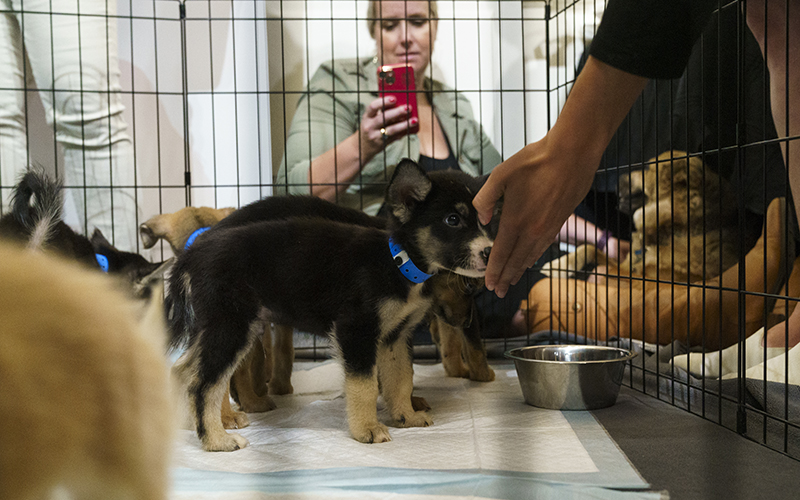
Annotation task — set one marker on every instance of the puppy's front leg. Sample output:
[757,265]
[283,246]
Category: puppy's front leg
[397,382]
[361,393]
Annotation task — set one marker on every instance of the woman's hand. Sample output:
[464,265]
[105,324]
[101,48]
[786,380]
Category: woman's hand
[383,123]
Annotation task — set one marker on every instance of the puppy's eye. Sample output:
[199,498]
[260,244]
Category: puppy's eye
[452,220]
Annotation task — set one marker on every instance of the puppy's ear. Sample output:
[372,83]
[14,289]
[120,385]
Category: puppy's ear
[409,186]
[99,241]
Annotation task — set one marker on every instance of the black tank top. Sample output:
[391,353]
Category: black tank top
[429,164]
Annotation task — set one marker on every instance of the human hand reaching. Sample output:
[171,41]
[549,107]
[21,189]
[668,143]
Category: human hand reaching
[543,183]
[540,190]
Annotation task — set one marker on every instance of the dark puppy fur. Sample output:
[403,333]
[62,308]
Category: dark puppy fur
[35,221]
[324,277]
[455,327]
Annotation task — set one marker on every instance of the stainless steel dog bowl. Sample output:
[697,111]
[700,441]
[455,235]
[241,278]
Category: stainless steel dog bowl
[570,377]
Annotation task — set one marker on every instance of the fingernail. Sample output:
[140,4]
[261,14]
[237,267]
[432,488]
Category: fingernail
[414,121]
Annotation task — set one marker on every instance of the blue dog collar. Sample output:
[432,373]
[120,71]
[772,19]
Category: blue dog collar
[404,264]
[194,236]
[103,261]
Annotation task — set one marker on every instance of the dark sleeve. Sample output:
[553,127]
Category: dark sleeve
[650,38]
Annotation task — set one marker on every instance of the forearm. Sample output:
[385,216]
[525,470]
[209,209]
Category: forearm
[596,106]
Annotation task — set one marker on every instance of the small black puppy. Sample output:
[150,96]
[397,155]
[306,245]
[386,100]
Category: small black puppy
[363,286]
[35,221]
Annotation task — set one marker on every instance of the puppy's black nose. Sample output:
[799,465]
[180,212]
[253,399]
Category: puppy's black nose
[485,254]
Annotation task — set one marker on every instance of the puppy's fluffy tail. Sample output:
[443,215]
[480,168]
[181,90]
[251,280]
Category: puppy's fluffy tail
[177,307]
[36,205]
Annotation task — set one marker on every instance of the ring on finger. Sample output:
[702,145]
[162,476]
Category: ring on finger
[383,134]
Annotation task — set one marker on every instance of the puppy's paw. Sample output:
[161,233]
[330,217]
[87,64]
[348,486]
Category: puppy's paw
[257,405]
[376,433]
[225,442]
[481,374]
[280,387]
[416,419]
[234,420]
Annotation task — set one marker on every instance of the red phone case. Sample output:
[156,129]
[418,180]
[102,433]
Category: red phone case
[398,81]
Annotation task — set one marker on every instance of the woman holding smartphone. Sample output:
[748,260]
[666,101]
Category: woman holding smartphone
[345,139]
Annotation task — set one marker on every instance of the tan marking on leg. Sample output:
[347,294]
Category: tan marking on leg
[249,383]
[479,369]
[397,382]
[362,415]
[232,419]
[216,439]
[449,340]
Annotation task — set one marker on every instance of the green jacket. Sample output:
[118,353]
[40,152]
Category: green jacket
[331,110]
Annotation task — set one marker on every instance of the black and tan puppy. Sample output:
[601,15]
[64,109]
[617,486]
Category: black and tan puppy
[363,286]
[35,221]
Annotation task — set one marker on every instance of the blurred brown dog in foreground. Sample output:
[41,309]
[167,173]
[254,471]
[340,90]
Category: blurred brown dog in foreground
[85,400]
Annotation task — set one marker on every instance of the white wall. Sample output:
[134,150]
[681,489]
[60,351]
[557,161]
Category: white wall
[227,80]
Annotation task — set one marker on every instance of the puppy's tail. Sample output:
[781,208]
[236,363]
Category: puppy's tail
[177,307]
[36,205]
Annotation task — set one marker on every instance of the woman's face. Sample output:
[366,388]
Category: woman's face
[404,34]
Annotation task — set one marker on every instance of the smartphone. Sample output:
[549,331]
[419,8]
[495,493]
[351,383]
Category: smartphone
[398,81]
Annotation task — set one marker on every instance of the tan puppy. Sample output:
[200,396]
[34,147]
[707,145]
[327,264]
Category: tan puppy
[176,227]
[686,223]
[705,313]
[85,403]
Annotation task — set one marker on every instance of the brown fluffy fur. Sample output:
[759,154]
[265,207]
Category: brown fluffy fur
[685,231]
[176,227]
[84,398]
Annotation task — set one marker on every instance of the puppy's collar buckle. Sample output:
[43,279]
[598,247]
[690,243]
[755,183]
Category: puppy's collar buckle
[404,264]
[194,236]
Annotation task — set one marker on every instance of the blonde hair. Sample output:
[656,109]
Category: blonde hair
[373,14]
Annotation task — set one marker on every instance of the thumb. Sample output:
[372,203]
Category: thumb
[486,198]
